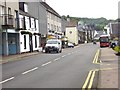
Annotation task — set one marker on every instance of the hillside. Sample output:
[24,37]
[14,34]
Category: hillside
[99,23]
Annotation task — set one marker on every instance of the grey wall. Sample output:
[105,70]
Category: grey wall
[64,24]
[43,19]
[38,11]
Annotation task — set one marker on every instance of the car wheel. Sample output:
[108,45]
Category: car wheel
[60,51]
[57,51]
[46,51]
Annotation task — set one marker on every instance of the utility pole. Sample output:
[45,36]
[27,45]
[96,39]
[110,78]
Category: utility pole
[6,33]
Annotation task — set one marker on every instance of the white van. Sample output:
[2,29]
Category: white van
[53,45]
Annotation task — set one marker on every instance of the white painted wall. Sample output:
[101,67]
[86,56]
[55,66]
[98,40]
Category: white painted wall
[31,29]
[73,37]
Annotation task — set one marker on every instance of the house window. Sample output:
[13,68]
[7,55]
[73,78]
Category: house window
[27,22]
[35,23]
[70,32]
[24,41]
[3,10]
[9,11]
[48,26]
[51,26]
[16,19]
[21,21]
[30,21]
[0,10]
[35,41]
[25,7]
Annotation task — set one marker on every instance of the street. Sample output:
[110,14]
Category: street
[68,69]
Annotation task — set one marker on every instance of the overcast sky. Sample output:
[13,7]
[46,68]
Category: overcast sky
[86,8]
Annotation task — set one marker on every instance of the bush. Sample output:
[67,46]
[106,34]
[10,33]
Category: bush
[117,49]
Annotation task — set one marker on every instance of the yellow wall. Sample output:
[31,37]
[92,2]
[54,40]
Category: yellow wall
[72,37]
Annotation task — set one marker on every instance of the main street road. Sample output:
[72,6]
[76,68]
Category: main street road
[68,69]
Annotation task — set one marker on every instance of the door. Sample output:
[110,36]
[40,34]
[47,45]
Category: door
[12,44]
[31,43]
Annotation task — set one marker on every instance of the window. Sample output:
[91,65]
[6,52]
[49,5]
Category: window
[32,23]
[21,22]
[27,22]
[37,28]
[3,10]
[9,11]
[35,41]
[48,26]
[24,41]
[25,7]
[51,27]
[0,10]
[35,23]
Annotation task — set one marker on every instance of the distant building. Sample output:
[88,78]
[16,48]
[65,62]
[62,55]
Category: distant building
[113,30]
[72,32]
[53,21]
[97,34]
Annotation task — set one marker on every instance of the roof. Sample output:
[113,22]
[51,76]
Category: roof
[71,23]
[50,9]
[25,13]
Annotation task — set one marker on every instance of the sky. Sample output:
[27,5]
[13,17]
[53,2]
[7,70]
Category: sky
[86,8]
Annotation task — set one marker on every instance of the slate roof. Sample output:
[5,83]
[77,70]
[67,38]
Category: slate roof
[72,23]
[50,9]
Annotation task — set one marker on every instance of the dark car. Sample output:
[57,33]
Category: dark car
[113,44]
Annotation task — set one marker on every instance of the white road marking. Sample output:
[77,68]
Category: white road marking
[69,54]
[46,63]
[7,80]
[56,59]
[63,55]
[30,70]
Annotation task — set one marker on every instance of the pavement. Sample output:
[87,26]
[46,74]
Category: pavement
[108,73]
[10,58]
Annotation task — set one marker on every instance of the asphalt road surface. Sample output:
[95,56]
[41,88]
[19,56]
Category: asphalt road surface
[68,69]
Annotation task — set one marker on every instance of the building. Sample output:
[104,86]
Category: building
[28,27]
[53,22]
[113,30]
[72,32]
[8,27]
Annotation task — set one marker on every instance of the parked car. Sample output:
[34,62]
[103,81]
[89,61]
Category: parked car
[53,45]
[71,45]
[94,42]
[113,44]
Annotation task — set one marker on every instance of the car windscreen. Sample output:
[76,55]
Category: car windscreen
[52,42]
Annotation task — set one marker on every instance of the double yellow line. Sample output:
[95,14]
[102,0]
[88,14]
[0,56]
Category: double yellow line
[95,60]
[89,81]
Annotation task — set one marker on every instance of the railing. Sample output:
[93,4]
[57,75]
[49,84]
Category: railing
[7,21]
